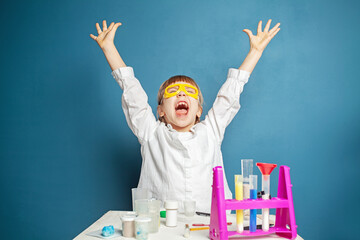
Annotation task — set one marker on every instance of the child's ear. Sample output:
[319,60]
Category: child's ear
[160,111]
[199,112]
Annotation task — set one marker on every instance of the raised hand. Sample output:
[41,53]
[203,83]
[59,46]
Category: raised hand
[106,36]
[105,39]
[262,39]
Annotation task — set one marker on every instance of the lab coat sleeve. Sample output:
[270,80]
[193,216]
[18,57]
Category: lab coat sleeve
[227,102]
[138,112]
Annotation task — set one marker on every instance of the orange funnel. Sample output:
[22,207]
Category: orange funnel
[266,168]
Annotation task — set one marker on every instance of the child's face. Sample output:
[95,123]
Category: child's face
[180,111]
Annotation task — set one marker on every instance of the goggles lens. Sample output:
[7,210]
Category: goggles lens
[174,89]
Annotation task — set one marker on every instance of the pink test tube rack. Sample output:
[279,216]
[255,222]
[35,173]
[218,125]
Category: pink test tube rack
[285,225]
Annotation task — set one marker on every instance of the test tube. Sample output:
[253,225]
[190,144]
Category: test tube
[265,169]
[253,195]
[246,171]
[239,196]
[265,211]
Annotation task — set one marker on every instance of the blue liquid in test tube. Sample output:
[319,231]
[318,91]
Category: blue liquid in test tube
[253,195]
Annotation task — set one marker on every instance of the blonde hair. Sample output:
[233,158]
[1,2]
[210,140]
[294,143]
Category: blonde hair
[172,80]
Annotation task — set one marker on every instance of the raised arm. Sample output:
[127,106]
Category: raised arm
[227,102]
[258,44]
[138,113]
[105,39]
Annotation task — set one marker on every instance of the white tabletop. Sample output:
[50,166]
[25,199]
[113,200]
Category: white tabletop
[166,233]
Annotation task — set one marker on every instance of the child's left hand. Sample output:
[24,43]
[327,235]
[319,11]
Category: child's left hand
[262,39]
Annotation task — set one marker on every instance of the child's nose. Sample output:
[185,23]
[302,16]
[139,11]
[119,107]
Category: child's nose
[181,94]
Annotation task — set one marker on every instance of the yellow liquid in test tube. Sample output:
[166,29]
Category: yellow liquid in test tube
[239,196]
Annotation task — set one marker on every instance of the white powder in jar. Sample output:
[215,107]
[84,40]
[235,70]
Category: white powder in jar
[128,226]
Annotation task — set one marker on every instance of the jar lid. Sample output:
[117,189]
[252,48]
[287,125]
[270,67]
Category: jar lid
[163,214]
[142,219]
[171,204]
[127,218]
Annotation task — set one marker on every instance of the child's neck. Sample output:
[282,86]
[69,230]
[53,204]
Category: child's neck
[182,129]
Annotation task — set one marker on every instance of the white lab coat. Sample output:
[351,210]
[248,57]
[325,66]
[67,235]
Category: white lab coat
[178,165]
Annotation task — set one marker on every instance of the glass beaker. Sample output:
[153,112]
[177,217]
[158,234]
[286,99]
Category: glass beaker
[154,214]
[189,208]
[139,193]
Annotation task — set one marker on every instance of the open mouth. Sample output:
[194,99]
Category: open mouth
[181,108]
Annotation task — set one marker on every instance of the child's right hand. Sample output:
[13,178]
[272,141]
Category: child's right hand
[105,39]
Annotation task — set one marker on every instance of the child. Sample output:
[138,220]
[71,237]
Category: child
[178,151]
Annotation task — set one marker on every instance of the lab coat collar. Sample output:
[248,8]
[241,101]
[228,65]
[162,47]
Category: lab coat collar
[192,129]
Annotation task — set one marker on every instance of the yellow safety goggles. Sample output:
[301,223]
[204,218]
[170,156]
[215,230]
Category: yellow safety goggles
[174,89]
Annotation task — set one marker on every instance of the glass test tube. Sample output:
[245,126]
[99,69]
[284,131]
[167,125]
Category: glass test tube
[246,171]
[253,195]
[265,211]
[239,196]
[265,169]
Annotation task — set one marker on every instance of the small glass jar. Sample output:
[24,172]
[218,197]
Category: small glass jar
[142,227]
[128,226]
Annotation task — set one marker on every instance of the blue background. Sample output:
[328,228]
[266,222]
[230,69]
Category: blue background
[68,156]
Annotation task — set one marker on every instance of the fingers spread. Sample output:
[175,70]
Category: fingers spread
[98,28]
[248,32]
[112,31]
[111,26]
[259,27]
[117,25]
[104,26]
[266,29]
[93,37]
[274,33]
[114,28]
[274,28]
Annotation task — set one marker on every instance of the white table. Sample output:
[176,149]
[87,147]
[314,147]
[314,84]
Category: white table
[168,233]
